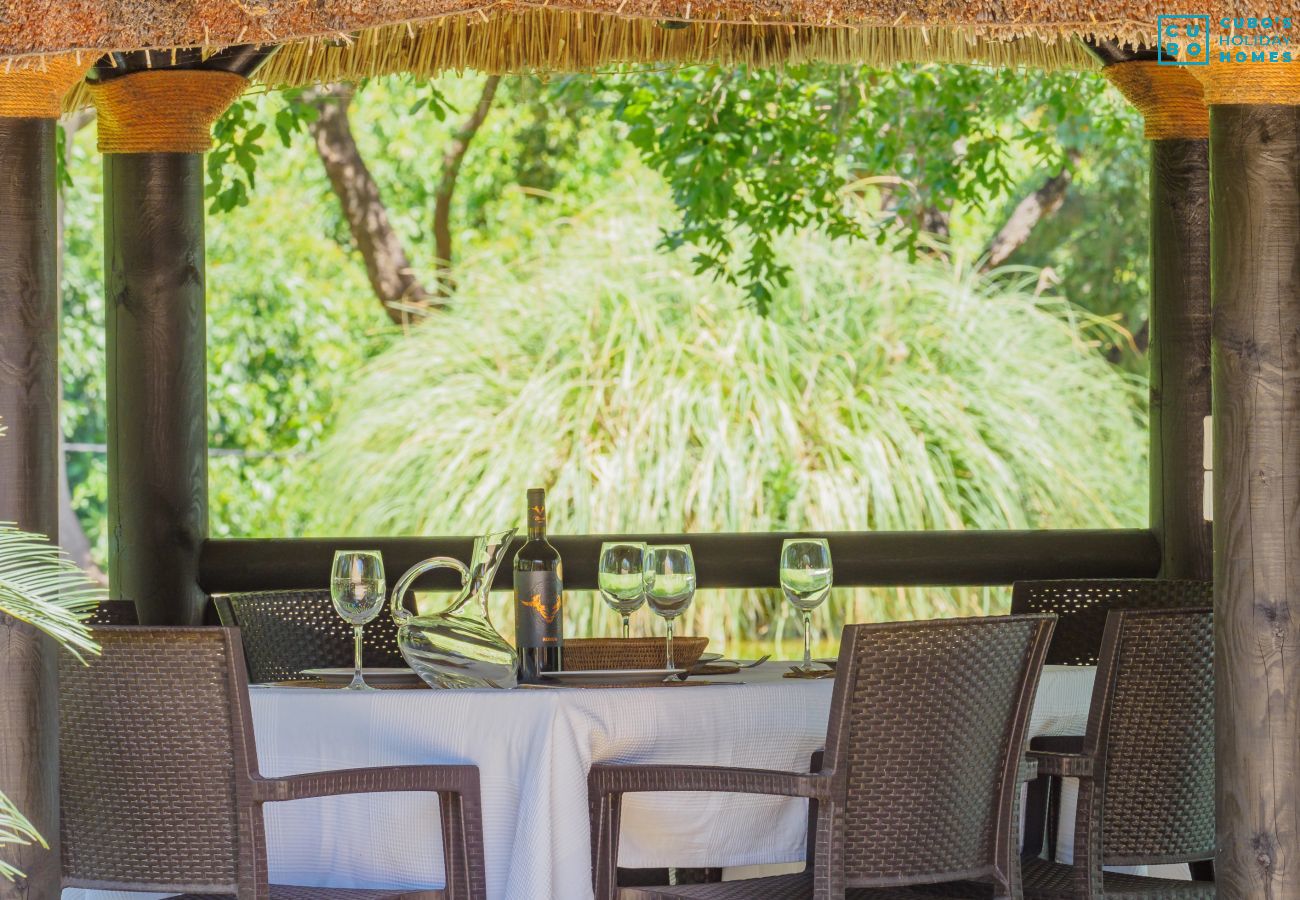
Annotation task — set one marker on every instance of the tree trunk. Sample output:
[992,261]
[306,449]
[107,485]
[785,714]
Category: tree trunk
[1026,216]
[387,266]
[452,158]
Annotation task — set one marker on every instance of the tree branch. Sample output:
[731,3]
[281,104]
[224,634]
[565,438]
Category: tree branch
[387,265]
[452,158]
[1028,213]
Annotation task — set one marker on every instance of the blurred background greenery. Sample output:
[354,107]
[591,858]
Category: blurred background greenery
[822,298]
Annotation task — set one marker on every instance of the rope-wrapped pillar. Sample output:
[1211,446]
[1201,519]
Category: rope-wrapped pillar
[30,101]
[1178,127]
[1255,262]
[154,127]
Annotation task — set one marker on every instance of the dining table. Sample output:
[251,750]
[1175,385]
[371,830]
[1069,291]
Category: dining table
[534,748]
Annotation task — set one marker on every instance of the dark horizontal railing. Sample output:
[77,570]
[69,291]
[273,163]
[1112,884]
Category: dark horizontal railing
[862,558]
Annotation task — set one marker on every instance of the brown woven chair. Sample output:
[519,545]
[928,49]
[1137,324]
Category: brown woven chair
[114,612]
[920,777]
[1146,764]
[159,780]
[285,632]
[1081,608]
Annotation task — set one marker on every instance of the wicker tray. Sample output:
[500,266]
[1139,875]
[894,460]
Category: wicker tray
[630,653]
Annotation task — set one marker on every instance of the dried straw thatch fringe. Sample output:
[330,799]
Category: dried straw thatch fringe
[556,40]
[1168,96]
[521,41]
[163,111]
[1250,82]
[37,92]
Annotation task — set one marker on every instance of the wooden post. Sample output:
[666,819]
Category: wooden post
[29,452]
[1179,355]
[1177,125]
[154,127]
[1255,241]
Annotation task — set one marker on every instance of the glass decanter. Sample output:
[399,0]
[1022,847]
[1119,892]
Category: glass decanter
[458,647]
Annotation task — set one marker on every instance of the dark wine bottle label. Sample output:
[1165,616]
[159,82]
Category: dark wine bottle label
[539,609]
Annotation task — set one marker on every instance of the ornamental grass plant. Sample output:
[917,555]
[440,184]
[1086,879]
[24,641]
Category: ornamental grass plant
[877,394]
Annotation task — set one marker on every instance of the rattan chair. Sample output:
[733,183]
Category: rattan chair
[1145,766]
[920,777]
[114,612]
[160,786]
[1081,608]
[285,632]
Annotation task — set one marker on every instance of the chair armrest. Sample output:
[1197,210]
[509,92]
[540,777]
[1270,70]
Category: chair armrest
[1057,743]
[436,779]
[631,779]
[1062,765]
[1028,770]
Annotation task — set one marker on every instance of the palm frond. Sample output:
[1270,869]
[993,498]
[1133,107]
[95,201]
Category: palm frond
[39,585]
[15,829]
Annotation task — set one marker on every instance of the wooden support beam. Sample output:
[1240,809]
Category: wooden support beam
[724,560]
[29,327]
[29,452]
[1255,240]
[1180,354]
[154,126]
[1178,125]
[157,382]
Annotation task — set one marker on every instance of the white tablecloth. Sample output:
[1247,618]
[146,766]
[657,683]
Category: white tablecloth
[533,749]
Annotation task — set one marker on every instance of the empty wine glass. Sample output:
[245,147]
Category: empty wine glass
[622,578]
[357,588]
[806,578]
[670,586]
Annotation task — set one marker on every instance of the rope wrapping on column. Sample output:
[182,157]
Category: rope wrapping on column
[163,110]
[1250,83]
[1168,97]
[36,92]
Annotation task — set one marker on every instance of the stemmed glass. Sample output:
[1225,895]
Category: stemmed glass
[357,588]
[670,586]
[806,578]
[622,578]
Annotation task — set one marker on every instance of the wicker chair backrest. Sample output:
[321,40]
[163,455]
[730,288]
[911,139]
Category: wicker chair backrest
[1081,607]
[927,727]
[152,736]
[285,632]
[1153,718]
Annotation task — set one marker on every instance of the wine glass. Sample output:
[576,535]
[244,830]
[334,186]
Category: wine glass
[670,586]
[622,578]
[806,578]
[357,588]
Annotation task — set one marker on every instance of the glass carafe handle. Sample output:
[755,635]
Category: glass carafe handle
[401,615]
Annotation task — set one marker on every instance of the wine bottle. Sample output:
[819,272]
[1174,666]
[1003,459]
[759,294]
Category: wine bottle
[539,598]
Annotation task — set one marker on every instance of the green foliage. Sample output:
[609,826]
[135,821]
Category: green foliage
[15,829]
[878,394]
[290,317]
[237,144]
[750,154]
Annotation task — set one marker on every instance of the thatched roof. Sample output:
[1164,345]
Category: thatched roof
[330,39]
